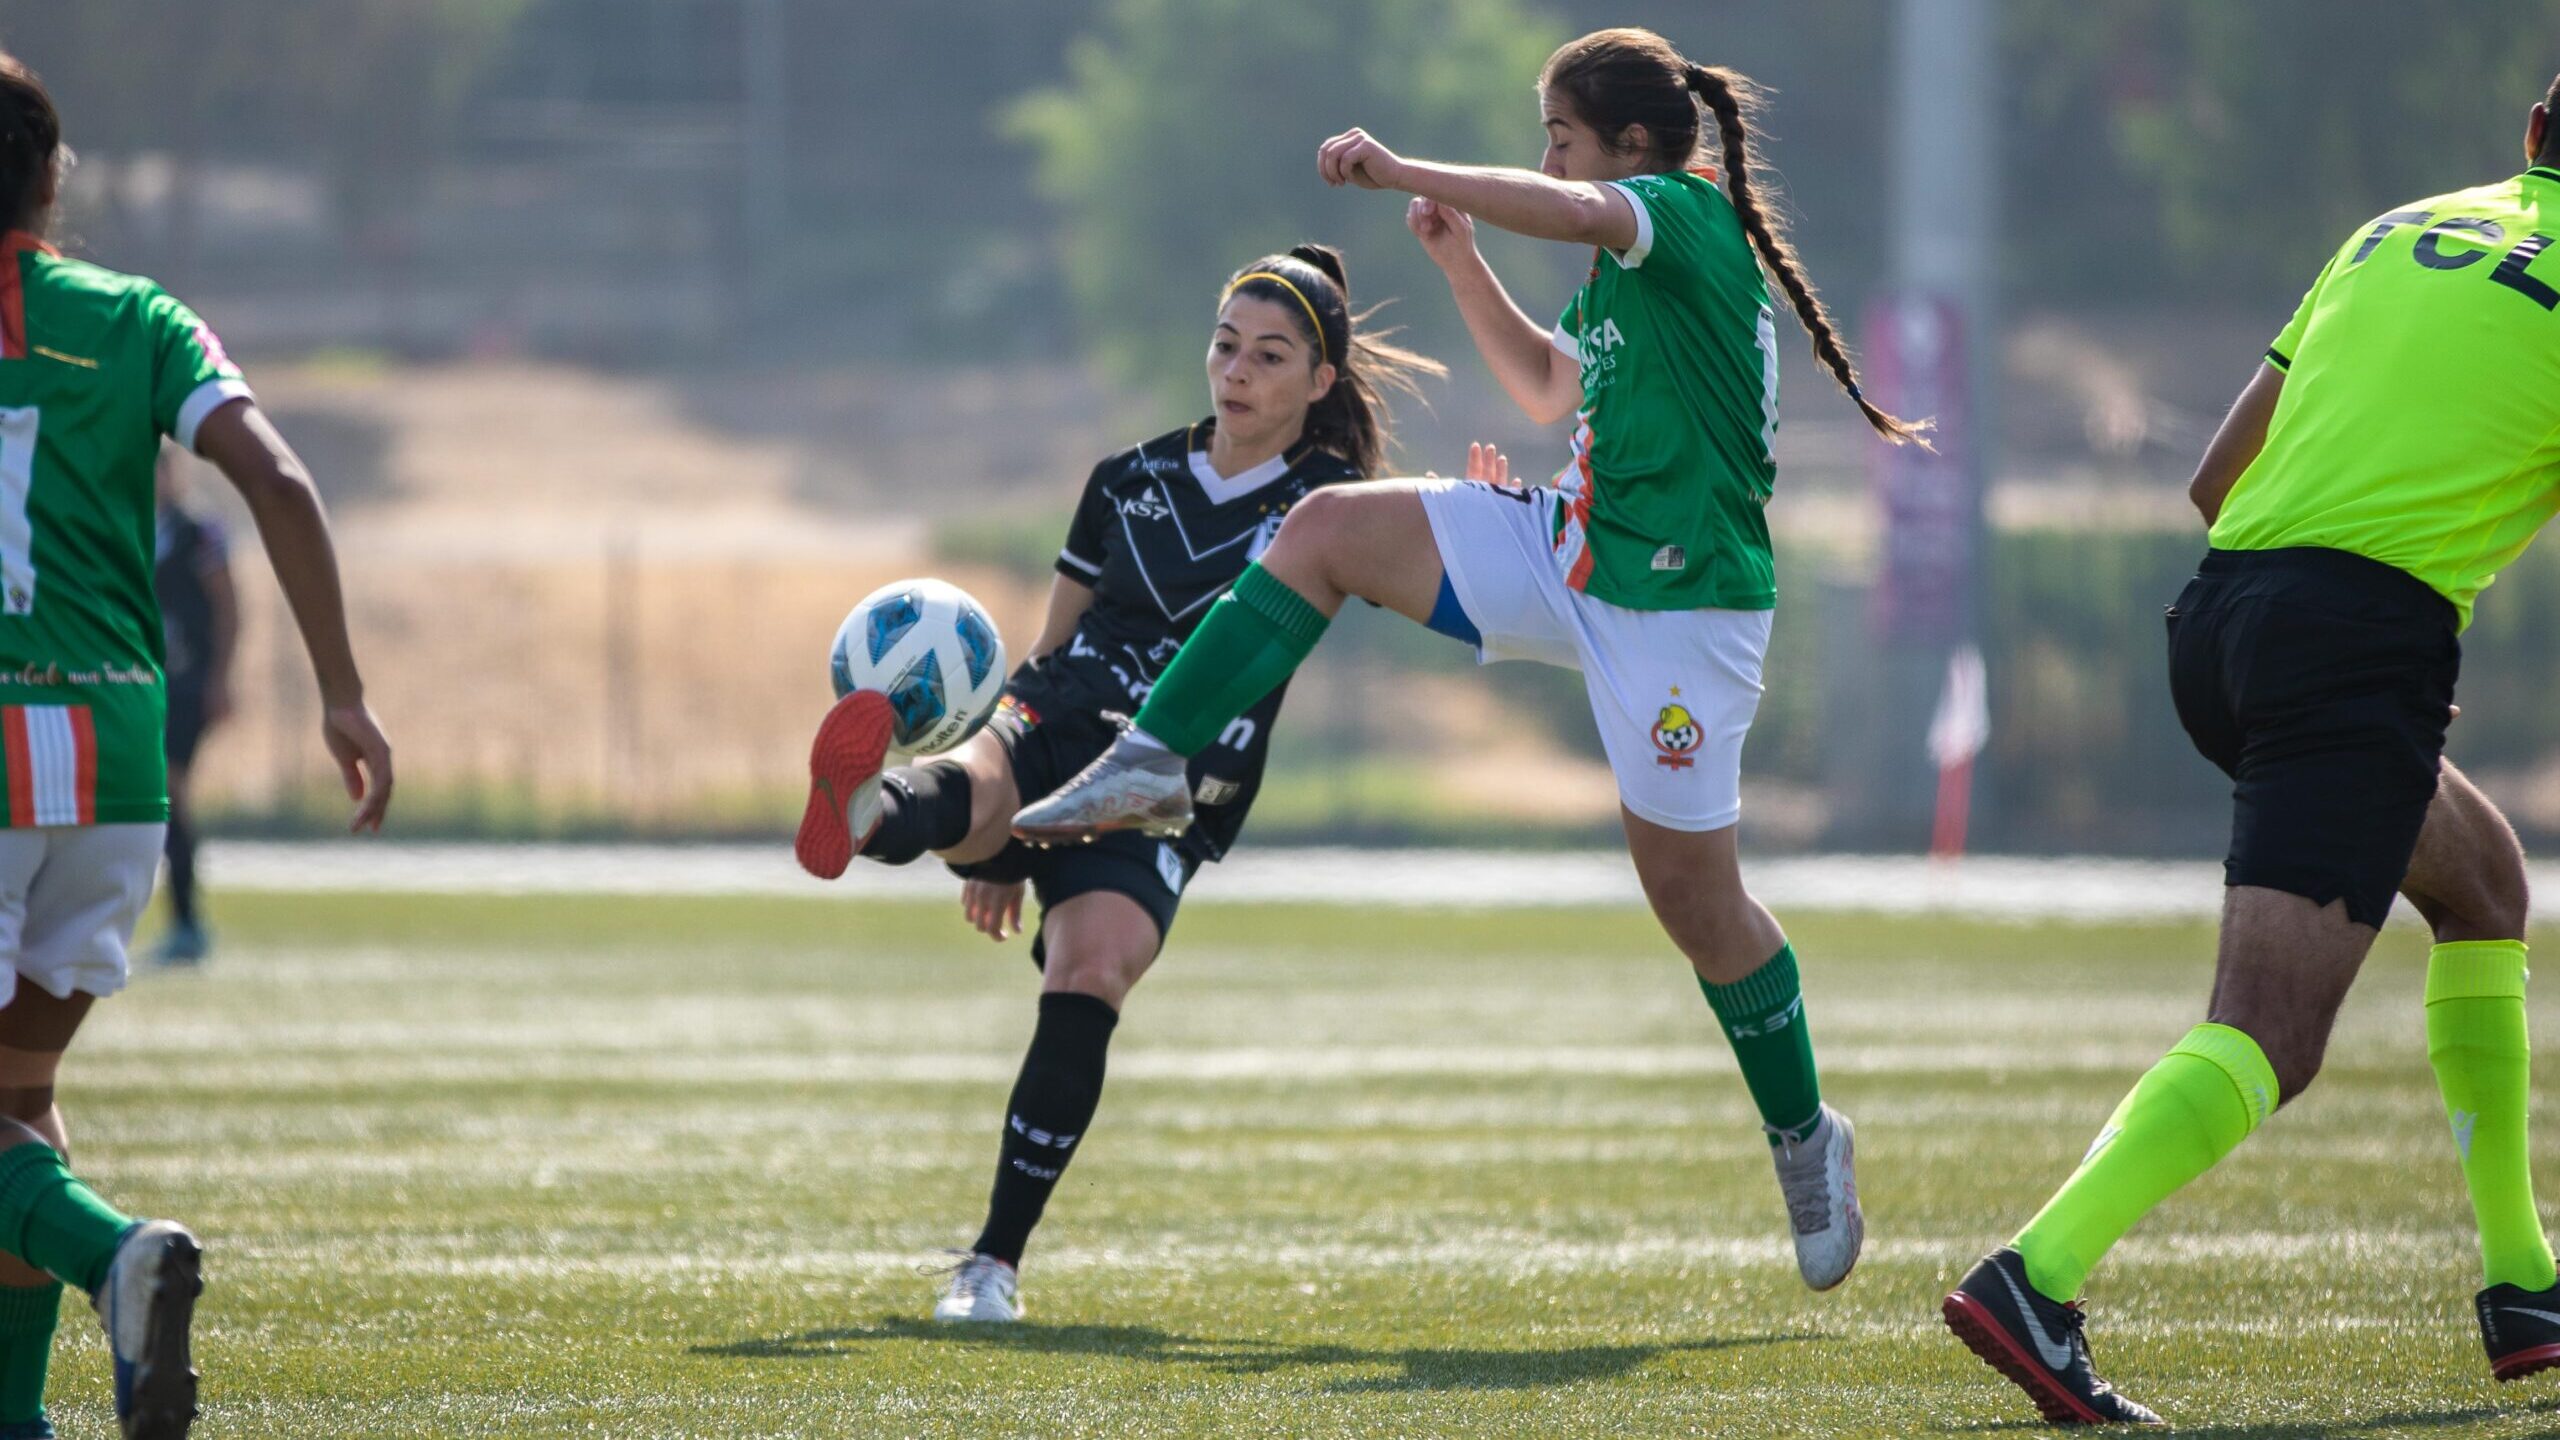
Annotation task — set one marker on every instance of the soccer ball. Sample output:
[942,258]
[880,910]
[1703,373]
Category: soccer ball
[932,650]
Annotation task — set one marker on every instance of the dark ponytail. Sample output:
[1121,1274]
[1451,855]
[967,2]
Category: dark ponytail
[30,140]
[1618,79]
[1351,418]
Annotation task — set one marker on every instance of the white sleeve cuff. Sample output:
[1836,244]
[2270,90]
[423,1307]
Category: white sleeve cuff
[1075,561]
[1633,256]
[1563,340]
[210,396]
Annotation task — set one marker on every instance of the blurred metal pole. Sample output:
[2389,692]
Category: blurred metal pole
[765,168]
[1930,344]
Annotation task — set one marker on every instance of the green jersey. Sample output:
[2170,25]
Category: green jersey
[95,367]
[1665,496]
[2420,419]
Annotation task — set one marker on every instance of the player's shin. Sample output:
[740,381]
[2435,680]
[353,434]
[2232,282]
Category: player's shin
[922,808]
[28,1315]
[1053,1101]
[2204,1097]
[2477,1043]
[1763,1016]
[52,1221]
[1252,640]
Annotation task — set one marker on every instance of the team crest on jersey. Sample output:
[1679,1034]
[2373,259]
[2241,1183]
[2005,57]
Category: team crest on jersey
[1675,735]
[1267,532]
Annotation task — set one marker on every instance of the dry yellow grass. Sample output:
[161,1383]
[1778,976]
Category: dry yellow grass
[577,608]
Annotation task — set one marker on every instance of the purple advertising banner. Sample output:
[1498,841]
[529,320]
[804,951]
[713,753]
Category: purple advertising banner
[1915,368]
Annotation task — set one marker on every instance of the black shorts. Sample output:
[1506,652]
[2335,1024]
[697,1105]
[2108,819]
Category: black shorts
[2321,682]
[186,723]
[1051,724]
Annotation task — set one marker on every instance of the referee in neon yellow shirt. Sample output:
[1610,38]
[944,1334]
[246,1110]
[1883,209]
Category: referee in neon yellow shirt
[2400,444]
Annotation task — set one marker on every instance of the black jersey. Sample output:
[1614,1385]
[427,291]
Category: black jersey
[1160,535]
[189,548]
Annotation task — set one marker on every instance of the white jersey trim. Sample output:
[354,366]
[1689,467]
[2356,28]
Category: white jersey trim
[1222,488]
[210,396]
[1079,562]
[1633,256]
[1563,340]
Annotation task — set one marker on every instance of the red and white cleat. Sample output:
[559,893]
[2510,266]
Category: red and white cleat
[844,783]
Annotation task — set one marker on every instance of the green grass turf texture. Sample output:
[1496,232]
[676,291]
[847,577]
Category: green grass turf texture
[669,1167]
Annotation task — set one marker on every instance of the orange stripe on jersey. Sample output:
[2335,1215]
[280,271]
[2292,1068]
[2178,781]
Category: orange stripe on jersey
[13,298]
[22,765]
[84,746]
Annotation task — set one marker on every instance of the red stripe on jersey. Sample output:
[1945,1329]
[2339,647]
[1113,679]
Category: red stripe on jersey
[22,765]
[13,297]
[84,745]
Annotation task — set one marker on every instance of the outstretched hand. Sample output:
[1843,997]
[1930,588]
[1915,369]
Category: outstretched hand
[992,908]
[1353,158]
[1485,462]
[363,754]
[1448,234]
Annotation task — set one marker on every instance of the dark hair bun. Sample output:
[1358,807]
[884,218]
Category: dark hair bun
[1327,262]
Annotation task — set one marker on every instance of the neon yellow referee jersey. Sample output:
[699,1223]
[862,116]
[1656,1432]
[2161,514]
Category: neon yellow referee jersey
[2420,419]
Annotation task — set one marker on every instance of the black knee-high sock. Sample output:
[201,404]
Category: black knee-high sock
[182,865]
[922,808]
[1052,1103]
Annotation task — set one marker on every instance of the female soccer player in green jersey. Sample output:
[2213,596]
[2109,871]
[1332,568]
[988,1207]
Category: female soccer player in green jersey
[1646,565]
[96,368]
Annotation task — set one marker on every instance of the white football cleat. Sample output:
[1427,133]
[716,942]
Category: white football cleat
[1819,1176]
[981,1292]
[147,1304]
[1135,785]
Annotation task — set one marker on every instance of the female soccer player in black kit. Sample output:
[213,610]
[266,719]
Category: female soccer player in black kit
[1163,529]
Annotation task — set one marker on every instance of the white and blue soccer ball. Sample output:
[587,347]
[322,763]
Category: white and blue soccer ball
[932,650]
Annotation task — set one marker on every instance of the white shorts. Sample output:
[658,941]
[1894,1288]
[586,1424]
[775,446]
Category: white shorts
[1673,691]
[69,897]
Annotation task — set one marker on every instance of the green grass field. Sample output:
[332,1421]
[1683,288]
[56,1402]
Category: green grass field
[595,1167]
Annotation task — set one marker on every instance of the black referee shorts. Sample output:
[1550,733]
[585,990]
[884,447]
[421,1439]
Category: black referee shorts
[1051,726]
[2321,682]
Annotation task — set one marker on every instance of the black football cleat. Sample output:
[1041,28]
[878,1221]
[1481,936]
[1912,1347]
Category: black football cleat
[2036,1342]
[2521,1330]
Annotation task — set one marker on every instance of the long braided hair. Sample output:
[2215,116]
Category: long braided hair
[1617,79]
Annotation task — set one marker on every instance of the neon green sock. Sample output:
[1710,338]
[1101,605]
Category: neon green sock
[27,1317]
[2194,1107]
[2477,1043]
[52,1221]
[1763,1015]
[1246,647]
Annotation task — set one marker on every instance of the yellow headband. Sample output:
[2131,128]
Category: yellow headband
[1324,352]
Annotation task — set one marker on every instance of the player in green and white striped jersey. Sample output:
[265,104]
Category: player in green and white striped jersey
[96,369]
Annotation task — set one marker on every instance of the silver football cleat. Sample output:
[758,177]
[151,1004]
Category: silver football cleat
[1135,785]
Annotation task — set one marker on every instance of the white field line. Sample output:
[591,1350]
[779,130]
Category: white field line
[1489,1251]
[2002,887]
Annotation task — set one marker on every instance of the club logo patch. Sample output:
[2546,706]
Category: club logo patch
[1675,735]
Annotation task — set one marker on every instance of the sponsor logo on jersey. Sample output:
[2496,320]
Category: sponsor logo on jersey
[1675,734]
[1147,505]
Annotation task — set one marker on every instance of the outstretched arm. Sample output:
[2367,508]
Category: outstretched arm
[1543,381]
[1523,202]
[1068,600]
[244,445]
[2242,436]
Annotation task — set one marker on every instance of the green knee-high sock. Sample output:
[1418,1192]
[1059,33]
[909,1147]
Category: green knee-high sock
[2476,1042]
[27,1317]
[1763,1015]
[52,1221]
[2194,1107]
[1245,648]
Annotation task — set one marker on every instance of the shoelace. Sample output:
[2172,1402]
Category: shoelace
[1802,1180]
